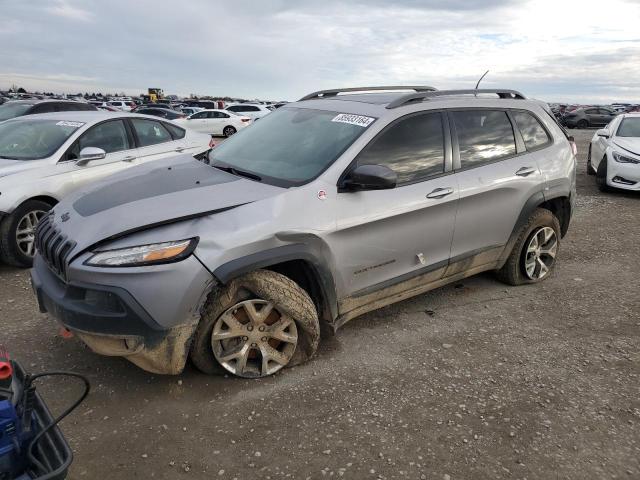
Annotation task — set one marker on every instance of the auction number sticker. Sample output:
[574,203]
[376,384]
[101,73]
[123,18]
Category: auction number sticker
[359,120]
[65,123]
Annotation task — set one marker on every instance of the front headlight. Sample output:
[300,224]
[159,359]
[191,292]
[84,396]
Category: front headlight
[154,254]
[624,159]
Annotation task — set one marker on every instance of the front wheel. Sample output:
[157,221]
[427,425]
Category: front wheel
[255,326]
[583,124]
[534,254]
[601,176]
[590,170]
[17,233]
[228,131]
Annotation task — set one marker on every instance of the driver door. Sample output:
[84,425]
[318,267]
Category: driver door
[111,136]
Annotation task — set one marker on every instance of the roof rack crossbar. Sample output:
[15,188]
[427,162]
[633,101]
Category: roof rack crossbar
[335,91]
[421,96]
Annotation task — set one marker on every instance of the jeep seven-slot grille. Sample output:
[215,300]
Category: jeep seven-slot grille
[53,246]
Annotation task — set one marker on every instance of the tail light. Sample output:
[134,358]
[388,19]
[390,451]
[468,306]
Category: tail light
[212,143]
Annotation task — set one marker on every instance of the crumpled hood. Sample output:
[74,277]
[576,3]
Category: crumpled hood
[9,167]
[630,144]
[165,191]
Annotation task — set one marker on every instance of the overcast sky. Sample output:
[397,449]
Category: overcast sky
[556,50]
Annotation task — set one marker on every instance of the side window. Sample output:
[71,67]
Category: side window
[591,111]
[109,136]
[533,134]
[251,108]
[483,136]
[234,108]
[413,148]
[176,132]
[150,132]
[47,107]
[199,116]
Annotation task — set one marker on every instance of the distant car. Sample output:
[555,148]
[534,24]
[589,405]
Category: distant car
[205,104]
[45,157]
[122,105]
[253,110]
[17,108]
[588,117]
[190,110]
[160,112]
[614,154]
[215,122]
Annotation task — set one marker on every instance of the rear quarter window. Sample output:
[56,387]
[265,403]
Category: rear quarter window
[484,136]
[532,131]
[176,132]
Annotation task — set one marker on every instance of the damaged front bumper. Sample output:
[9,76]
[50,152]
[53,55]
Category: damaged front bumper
[112,322]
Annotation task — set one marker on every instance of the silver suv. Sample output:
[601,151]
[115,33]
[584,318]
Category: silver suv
[328,208]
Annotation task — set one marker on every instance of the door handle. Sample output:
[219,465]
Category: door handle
[524,171]
[129,159]
[440,192]
[180,149]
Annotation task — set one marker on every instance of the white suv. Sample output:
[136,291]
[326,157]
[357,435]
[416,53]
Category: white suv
[122,105]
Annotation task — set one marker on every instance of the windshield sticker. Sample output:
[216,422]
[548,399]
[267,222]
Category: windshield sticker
[64,123]
[359,120]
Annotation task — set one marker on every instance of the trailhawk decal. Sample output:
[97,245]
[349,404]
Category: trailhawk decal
[64,123]
[359,120]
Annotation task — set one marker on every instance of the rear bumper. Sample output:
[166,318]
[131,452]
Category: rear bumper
[112,322]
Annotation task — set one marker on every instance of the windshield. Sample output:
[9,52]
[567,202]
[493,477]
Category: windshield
[630,127]
[34,139]
[12,110]
[291,145]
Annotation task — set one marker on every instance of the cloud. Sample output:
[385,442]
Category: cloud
[64,9]
[279,49]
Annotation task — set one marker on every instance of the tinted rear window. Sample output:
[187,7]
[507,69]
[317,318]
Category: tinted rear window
[11,110]
[483,136]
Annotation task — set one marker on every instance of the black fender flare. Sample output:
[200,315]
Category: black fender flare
[295,251]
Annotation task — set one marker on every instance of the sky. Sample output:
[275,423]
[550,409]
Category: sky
[583,51]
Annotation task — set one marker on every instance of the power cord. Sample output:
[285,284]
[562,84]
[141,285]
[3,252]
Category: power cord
[29,379]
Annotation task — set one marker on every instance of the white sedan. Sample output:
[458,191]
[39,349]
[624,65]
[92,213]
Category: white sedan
[45,157]
[614,154]
[215,122]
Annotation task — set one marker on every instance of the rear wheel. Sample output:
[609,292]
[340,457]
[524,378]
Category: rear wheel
[534,254]
[601,176]
[255,326]
[228,131]
[17,233]
[582,124]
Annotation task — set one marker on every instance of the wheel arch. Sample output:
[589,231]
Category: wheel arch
[43,198]
[560,206]
[299,263]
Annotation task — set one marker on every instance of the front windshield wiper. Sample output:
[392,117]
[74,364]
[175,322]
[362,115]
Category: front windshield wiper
[238,172]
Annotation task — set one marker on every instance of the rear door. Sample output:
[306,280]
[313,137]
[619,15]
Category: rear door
[496,177]
[386,236]
[154,140]
[199,122]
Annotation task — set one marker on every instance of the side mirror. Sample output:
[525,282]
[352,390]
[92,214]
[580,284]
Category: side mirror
[88,154]
[603,132]
[370,177]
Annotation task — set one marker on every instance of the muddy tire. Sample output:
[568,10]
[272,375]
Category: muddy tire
[17,233]
[262,301]
[534,253]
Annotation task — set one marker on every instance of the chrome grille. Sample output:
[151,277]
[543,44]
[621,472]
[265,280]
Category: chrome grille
[53,246]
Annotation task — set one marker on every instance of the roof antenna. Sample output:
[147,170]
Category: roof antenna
[485,73]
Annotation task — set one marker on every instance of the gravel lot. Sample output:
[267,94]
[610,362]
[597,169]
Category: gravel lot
[472,381]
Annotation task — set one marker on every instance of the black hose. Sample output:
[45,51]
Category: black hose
[28,381]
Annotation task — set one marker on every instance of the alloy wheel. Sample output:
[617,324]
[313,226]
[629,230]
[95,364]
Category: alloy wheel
[253,339]
[26,232]
[540,253]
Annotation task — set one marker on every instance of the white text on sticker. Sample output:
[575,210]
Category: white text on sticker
[359,120]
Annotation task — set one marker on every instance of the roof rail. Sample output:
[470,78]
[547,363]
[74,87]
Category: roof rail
[421,96]
[335,91]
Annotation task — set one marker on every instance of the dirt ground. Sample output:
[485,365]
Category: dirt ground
[472,381]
